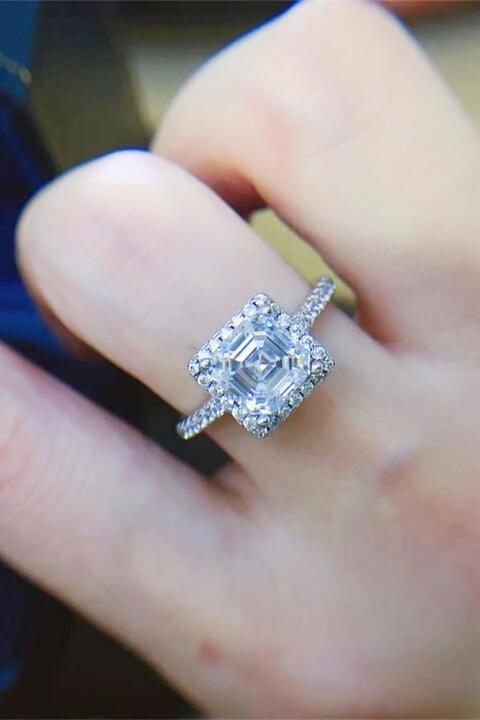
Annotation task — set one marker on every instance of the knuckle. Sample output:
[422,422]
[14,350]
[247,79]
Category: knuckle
[320,75]
[323,74]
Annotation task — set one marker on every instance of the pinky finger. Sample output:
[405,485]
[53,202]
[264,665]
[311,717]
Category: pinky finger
[100,516]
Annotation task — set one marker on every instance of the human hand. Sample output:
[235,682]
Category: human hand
[333,568]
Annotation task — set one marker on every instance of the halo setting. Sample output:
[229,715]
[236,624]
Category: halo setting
[261,365]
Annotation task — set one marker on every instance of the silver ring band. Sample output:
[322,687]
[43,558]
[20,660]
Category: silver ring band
[195,423]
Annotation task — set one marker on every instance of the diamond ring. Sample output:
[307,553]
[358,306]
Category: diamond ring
[261,365]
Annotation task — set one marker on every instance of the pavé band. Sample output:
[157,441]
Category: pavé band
[261,365]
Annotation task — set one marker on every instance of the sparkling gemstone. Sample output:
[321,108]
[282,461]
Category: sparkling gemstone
[317,366]
[194,367]
[283,320]
[261,366]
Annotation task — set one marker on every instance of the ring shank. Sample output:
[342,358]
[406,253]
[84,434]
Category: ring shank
[316,302]
[195,423]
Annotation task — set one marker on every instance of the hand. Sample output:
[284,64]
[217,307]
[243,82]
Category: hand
[334,568]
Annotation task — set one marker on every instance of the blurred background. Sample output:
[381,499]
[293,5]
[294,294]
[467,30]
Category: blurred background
[79,79]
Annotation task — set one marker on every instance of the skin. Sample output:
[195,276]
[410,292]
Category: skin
[332,570]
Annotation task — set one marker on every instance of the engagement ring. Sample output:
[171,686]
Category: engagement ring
[261,365]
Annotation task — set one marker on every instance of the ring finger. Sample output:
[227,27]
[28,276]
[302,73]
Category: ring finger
[145,263]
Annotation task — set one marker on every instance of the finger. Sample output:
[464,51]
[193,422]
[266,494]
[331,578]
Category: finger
[113,525]
[332,116]
[145,263]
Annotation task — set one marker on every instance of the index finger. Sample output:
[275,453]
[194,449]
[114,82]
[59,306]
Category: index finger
[333,117]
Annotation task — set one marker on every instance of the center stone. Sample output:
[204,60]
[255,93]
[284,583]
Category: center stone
[262,366]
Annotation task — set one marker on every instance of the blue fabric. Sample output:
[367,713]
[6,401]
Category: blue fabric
[24,168]
[14,606]
[19,177]
[17,27]
[19,323]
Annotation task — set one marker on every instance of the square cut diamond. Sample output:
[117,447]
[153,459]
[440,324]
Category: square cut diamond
[261,364]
